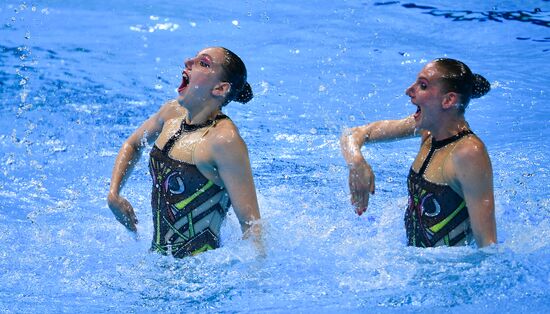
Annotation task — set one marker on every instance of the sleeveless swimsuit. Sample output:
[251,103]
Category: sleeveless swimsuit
[436,215]
[188,209]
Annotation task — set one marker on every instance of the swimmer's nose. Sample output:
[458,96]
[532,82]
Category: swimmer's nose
[189,62]
[409,91]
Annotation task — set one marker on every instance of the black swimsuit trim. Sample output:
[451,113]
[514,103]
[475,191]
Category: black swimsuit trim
[184,127]
[440,144]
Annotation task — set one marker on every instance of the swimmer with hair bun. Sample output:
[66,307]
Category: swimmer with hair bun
[199,163]
[450,183]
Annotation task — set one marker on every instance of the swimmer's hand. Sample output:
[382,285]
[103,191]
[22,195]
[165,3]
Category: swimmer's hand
[254,231]
[123,211]
[361,185]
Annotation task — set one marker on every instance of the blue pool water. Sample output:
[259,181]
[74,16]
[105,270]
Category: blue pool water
[77,78]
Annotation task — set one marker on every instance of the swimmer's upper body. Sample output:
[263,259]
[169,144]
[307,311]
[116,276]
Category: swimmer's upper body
[199,162]
[450,182]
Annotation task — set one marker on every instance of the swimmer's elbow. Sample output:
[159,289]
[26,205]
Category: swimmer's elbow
[348,139]
[344,139]
[131,146]
[350,144]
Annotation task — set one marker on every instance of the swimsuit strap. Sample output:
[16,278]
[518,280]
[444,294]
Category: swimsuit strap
[435,145]
[186,128]
[444,142]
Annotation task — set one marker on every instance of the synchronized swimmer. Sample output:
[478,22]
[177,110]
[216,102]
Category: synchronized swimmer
[450,182]
[199,163]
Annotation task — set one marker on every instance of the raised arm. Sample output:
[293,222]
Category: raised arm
[361,176]
[127,158]
[474,176]
[230,156]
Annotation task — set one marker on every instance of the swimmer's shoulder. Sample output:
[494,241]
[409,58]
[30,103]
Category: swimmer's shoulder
[470,148]
[226,125]
[224,133]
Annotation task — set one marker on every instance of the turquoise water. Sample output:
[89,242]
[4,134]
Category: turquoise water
[77,78]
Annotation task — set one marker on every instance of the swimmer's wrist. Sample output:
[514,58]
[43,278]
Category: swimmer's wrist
[357,161]
[113,196]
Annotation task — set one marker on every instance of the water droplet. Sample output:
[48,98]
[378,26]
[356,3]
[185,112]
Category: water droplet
[27,35]
[235,22]
[10,160]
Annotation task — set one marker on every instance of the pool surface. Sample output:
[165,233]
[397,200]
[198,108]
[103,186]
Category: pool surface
[76,78]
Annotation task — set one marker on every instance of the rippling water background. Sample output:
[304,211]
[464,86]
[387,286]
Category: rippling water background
[77,78]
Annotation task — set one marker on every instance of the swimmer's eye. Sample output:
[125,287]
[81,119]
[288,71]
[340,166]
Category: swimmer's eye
[423,86]
[204,64]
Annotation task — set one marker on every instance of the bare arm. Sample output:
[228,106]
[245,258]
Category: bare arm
[361,176]
[475,177]
[230,155]
[125,161]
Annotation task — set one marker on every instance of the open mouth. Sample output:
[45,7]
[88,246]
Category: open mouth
[417,113]
[184,81]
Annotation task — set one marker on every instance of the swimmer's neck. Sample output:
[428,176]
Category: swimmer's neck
[449,128]
[201,112]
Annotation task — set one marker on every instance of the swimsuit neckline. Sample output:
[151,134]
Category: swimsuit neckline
[186,127]
[437,144]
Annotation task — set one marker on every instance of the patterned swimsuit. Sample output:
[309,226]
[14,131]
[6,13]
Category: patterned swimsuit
[436,215]
[188,209]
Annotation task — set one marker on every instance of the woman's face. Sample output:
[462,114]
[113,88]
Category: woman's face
[426,94]
[201,75]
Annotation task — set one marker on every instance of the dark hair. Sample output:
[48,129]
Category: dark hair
[457,77]
[234,72]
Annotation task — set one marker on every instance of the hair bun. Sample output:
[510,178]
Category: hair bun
[480,86]
[245,94]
